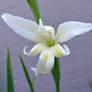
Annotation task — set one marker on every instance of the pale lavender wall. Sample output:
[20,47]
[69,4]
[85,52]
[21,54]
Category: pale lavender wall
[76,69]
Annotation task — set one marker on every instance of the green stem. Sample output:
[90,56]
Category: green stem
[35,9]
[56,74]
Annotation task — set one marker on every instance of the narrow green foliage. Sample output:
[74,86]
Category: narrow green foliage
[10,83]
[56,74]
[35,9]
[26,74]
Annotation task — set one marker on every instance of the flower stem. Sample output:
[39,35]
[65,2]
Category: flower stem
[56,74]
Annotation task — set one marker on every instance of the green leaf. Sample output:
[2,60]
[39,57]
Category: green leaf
[35,9]
[26,74]
[10,83]
[56,74]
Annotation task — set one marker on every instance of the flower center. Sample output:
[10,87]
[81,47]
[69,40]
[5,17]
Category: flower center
[50,43]
[50,40]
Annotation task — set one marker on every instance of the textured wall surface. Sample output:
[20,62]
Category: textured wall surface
[76,69]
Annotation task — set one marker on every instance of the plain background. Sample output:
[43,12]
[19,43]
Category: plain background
[76,69]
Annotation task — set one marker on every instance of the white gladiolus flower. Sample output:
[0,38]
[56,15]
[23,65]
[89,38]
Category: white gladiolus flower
[46,39]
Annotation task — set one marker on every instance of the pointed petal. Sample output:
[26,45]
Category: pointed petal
[58,51]
[35,50]
[68,30]
[25,28]
[45,63]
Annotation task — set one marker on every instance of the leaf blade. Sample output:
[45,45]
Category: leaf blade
[26,74]
[10,82]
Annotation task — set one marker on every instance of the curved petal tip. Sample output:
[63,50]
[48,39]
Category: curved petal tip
[3,16]
[24,50]
[67,50]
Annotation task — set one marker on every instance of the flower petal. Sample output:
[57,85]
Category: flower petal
[35,50]
[58,51]
[24,27]
[45,63]
[68,30]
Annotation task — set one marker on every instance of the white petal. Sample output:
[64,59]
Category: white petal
[45,63]
[58,51]
[24,27]
[68,30]
[35,50]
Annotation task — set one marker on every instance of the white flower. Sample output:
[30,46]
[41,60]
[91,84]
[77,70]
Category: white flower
[46,39]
